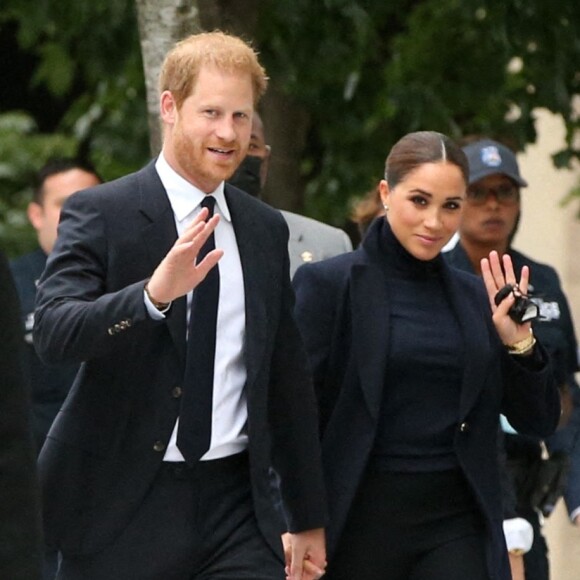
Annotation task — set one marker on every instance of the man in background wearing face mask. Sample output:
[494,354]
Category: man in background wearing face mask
[310,240]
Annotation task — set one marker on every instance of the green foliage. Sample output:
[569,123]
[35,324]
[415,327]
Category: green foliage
[22,152]
[369,72]
[88,57]
[366,72]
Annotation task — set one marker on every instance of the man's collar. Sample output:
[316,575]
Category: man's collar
[183,196]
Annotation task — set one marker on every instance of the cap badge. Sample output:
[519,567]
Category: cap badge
[490,156]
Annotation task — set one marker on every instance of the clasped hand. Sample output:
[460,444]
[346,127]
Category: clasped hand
[305,554]
[178,273]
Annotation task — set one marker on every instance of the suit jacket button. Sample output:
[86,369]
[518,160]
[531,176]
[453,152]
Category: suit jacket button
[159,446]
[464,427]
[176,392]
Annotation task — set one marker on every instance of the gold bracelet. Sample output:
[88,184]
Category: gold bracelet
[522,347]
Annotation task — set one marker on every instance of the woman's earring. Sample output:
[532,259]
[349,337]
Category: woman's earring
[386,207]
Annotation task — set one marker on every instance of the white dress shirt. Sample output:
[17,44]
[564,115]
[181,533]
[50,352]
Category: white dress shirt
[230,413]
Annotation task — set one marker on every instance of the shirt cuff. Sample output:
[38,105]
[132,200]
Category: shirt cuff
[574,513]
[153,311]
[519,534]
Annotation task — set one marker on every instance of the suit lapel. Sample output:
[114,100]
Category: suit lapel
[475,340]
[255,264]
[159,234]
[372,339]
[370,326]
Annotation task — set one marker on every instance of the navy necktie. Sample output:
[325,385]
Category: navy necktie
[194,432]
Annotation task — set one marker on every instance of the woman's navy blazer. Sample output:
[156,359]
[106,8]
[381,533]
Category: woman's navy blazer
[343,311]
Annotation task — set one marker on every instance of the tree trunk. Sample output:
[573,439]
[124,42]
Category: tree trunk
[161,24]
[239,17]
[286,123]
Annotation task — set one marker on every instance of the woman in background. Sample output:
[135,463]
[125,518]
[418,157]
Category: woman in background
[366,209]
[413,363]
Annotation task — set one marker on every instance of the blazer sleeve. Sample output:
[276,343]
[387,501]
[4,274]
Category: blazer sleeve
[296,455]
[76,311]
[320,302]
[529,396]
[531,400]
[315,316]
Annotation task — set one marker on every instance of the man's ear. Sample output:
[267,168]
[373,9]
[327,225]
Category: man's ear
[167,107]
[35,214]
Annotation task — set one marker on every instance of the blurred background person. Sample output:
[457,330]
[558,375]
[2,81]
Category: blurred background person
[489,222]
[366,209]
[20,535]
[49,384]
[310,240]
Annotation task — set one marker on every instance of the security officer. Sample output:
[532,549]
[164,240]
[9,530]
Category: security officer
[489,222]
[54,182]
[48,384]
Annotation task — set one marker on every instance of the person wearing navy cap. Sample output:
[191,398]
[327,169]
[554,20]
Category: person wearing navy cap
[487,158]
[489,222]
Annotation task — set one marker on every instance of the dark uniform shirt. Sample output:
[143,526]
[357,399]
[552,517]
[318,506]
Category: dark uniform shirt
[49,384]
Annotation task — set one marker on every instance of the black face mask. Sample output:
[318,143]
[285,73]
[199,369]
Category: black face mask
[247,175]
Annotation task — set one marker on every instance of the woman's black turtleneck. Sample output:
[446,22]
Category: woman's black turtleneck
[425,362]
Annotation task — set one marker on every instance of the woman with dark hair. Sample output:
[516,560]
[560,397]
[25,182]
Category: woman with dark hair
[413,363]
[366,209]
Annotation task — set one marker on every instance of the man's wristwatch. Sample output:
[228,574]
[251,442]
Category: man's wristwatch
[161,306]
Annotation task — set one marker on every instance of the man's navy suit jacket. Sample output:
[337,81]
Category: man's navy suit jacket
[108,441]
